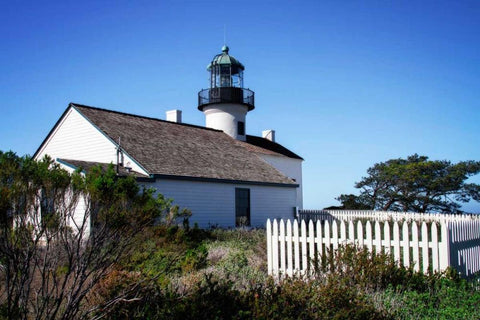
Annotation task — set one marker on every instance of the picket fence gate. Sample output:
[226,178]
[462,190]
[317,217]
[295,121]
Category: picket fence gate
[293,247]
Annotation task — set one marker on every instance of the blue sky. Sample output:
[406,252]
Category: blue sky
[345,84]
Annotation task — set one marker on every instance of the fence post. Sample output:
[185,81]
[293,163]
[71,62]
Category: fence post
[424,246]
[275,247]
[369,237]
[319,239]
[304,246]
[335,239]
[282,246]
[289,249]
[360,234]
[387,238]
[396,243]
[351,233]
[435,247]
[326,235]
[311,247]
[415,252]
[378,237]
[296,246]
[444,249]
[269,247]
[406,244]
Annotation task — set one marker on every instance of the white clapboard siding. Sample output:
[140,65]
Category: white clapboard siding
[75,137]
[291,168]
[213,204]
[424,245]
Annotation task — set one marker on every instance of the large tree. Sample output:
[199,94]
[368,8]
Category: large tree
[415,184]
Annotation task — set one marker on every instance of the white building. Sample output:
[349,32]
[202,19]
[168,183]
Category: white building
[219,172]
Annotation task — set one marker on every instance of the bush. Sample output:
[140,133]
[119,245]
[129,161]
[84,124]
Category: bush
[220,274]
[194,259]
[446,298]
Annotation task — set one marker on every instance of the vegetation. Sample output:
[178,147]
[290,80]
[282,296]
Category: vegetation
[230,282]
[143,260]
[61,233]
[415,184]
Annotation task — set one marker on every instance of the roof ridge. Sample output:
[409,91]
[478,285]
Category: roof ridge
[73,104]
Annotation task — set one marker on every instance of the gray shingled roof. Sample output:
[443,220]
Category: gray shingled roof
[172,149]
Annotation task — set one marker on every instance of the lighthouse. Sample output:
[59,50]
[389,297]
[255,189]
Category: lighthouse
[226,103]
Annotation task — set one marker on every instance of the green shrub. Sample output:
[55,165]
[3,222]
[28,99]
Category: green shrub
[194,259]
[445,298]
[368,270]
[296,298]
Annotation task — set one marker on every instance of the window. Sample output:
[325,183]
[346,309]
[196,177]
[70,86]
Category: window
[242,207]
[241,128]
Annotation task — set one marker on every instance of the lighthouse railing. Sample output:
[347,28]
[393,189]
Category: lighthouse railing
[226,95]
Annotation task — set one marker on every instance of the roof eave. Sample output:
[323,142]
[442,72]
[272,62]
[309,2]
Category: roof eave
[218,180]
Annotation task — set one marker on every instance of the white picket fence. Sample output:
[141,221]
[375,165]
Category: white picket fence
[347,215]
[292,247]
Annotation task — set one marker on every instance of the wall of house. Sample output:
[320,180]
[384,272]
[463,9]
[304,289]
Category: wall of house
[80,219]
[290,167]
[214,203]
[76,138]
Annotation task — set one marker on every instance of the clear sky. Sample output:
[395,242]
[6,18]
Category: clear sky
[345,84]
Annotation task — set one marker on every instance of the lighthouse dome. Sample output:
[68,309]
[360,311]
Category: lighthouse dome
[225,59]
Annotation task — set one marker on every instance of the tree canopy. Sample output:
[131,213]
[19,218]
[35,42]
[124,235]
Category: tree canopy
[415,184]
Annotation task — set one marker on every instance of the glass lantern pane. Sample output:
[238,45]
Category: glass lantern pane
[225,78]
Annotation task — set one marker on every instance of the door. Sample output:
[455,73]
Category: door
[242,207]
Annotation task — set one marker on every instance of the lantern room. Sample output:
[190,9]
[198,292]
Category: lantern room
[225,71]
[226,83]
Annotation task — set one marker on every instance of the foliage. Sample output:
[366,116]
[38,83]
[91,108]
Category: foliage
[446,298]
[52,255]
[352,283]
[213,298]
[415,184]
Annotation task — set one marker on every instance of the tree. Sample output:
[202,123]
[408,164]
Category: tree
[415,184]
[61,233]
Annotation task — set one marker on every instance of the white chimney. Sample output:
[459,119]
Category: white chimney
[174,116]
[269,135]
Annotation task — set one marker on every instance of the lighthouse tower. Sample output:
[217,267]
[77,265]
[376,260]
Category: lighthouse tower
[226,103]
